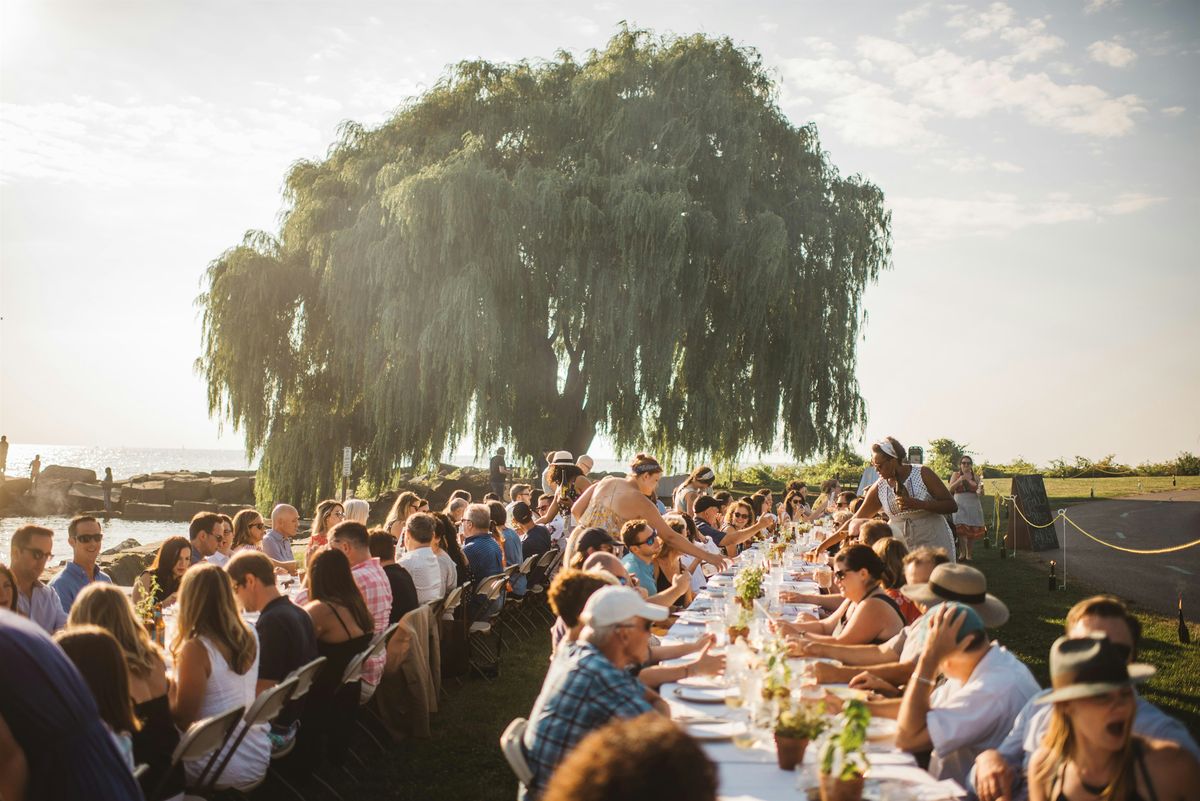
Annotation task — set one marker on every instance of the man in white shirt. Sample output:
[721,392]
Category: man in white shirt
[419,559]
[985,689]
[555,526]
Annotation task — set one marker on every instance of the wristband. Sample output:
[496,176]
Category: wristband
[924,680]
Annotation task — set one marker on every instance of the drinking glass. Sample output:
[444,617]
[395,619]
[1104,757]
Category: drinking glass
[824,577]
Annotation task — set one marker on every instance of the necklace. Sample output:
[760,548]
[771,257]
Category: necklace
[1091,788]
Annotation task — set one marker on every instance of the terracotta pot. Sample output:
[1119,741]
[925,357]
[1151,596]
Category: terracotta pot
[835,789]
[735,632]
[789,751]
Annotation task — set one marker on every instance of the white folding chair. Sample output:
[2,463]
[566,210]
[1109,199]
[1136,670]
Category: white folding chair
[453,600]
[514,750]
[304,675]
[202,738]
[266,708]
[385,635]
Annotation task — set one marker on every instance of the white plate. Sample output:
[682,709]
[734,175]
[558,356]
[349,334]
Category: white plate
[703,695]
[882,729]
[715,732]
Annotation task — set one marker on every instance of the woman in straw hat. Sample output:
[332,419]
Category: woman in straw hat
[1090,751]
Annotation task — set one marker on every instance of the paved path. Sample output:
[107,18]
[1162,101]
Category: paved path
[1157,520]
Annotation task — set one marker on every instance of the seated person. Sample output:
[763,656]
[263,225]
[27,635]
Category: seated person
[985,688]
[867,616]
[589,684]
[419,559]
[1090,740]
[404,592]
[1000,772]
[644,757]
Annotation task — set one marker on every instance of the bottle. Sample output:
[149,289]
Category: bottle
[160,626]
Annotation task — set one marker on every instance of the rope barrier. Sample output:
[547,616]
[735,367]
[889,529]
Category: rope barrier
[1011,501]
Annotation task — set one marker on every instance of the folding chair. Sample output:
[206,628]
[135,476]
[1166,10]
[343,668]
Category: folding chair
[266,708]
[203,737]
[304,676]
[514,752]
[385,635]
[481,630]
[353,673]
[451,602]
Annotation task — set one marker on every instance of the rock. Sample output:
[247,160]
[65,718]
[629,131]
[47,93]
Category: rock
[11,492]
[145,492]
[147,511]
[184,511]
[234,473]
[90,497]
[188,489]
[50,496]
[239,489]
[124,567]
[60,473]
[123,545]
[232,509]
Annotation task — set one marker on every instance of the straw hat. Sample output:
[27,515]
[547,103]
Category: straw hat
[1082,667]
[562,459]
[962,583]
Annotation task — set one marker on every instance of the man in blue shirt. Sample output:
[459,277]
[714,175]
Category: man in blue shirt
[277,542]
[643,544]
[482,552]
[84,536]
[588,685]
[708,512]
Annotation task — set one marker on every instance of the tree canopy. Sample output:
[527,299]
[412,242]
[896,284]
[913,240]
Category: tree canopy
[637,242]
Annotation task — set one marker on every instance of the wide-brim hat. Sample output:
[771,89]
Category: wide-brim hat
[962,583]
[562,459]
[1082,667]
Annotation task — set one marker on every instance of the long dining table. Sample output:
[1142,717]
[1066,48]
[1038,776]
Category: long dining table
[750,771]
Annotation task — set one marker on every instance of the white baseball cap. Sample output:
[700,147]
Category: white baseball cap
[613,605]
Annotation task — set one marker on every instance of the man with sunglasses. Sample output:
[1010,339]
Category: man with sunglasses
[643,544]
[31,549]
[84,536]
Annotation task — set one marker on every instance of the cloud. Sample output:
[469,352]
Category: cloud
[978,25]
[1173,111]
[912,15]
[1031,40]
[1098,5]
[946,84]
[1112,53]
[972,164]
[924,220]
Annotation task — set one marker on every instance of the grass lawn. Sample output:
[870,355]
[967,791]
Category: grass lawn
[1067,491]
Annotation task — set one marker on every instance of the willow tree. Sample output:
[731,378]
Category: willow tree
[638,242]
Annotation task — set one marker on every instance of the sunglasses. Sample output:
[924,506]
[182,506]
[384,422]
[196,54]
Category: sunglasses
[88,538]
[257,525]
[38,554]
[650,540]
[336,513]
[741,517]
[839,574]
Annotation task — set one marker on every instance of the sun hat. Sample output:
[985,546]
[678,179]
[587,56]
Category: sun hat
[613,605]
[562,459]
[706,502]
[963,583]
[1081,667]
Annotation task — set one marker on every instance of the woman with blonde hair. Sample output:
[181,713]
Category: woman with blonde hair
[98,658]
[216,668]
[106,606]
[329,514]
[612,501]
[357,510]
[407,503]
[1089,750]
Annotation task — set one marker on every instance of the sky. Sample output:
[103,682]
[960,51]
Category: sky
[1040,159]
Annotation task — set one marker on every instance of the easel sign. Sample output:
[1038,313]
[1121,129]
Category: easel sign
[1029,496]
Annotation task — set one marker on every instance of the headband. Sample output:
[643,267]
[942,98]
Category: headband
[887,448]
[707,475]
[646,467]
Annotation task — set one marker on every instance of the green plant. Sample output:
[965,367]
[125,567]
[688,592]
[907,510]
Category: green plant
[801,721]
[145,606]
[749,585]
[842,752]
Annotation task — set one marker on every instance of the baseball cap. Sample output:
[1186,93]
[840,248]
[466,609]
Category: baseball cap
[706,502]
[613,605]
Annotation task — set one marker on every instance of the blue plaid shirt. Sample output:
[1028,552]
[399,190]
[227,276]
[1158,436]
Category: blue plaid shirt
[582,692]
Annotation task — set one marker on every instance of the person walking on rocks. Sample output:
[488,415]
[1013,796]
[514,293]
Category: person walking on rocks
[35,467]
[3,455]
[107,486]
[498,472]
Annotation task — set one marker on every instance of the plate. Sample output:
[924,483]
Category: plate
[847,693]
[882,729]
[703,695]
[715,732]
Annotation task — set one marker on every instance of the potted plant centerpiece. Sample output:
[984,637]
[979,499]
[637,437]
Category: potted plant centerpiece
[748,586]
[796,725]
[740,627]
[842,761]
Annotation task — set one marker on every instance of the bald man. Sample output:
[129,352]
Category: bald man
[277,543]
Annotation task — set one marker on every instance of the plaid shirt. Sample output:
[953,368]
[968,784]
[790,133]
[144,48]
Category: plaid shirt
[377,592]
[582,692]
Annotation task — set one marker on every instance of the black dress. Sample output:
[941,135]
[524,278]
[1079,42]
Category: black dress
[332,707]
[153,745]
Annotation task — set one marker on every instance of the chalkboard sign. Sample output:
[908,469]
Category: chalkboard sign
[1030,492]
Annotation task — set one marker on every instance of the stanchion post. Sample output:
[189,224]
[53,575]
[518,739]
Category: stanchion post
[1062,514]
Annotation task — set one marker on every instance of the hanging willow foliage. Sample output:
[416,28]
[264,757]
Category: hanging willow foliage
[639,243]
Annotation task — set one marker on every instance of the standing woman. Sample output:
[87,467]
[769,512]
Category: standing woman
[329,514]
[568,483]
[248,531]
[216,669]
[161,579]
[912,496]
[612,501]
[969,524]
[106,606]
[698,483]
